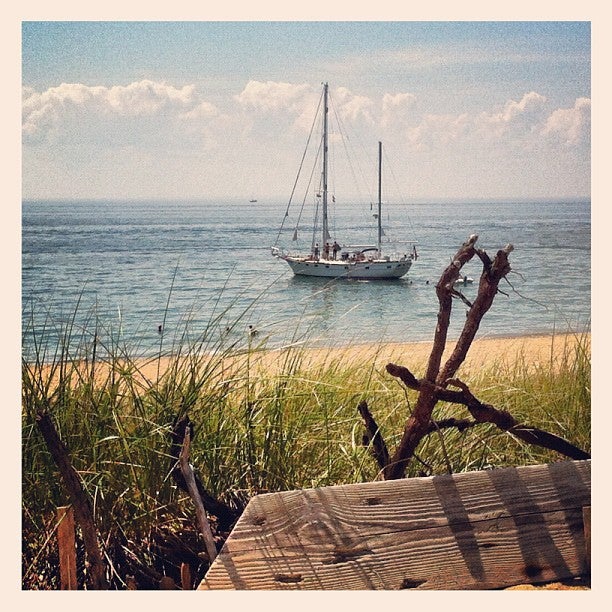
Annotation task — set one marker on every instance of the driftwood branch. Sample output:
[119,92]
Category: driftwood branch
[433,386]
[444,291]
[226,516]
[418,423]
[78,498]
[204,525]
[451,423]
[486,413]
[373,436]
[492,274]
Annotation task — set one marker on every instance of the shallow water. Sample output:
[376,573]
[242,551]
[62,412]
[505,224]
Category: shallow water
[199,266]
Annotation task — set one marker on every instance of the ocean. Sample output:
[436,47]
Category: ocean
[121,270]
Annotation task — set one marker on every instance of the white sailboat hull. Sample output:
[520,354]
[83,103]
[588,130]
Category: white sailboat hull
[373,269]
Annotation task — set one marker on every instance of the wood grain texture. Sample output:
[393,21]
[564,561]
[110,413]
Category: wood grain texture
[477,530]
[66,542]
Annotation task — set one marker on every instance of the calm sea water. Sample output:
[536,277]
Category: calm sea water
[121,269]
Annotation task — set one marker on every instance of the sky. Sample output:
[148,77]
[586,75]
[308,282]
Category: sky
[222,109]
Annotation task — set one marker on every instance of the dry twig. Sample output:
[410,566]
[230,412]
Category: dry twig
[204,525]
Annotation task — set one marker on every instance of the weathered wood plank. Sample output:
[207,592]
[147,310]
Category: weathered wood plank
[66,542]
[586,517]
[478,530]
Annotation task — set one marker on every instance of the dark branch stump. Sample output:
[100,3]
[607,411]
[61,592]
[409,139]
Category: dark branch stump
[78,499]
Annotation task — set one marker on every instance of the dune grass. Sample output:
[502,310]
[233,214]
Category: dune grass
[257,429]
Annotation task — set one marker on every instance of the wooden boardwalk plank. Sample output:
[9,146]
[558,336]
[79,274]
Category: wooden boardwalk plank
[478,530]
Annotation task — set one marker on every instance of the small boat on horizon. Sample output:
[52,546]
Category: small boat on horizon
[329,259]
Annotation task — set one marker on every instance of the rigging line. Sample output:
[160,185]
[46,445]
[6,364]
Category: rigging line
[314,120]
[397,186]
[314,227]
[307,189]
[345,140]
[315,224]
[331,203]
[331,190]
[312,172]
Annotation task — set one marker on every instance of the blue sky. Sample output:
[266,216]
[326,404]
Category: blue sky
[221,109]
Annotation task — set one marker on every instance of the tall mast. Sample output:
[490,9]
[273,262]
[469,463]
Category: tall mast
[379,195]
[325,221]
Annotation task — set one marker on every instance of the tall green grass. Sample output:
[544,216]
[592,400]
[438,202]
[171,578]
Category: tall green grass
[257,430]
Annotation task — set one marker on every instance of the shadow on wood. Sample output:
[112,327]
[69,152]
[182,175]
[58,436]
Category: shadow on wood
[477,530]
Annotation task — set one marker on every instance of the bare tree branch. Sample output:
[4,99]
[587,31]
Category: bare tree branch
[491,275]
[204,525]
[459,424]
[444,290]
[373,436]
[433,387]
[78,499]
[486,413]
[226,516]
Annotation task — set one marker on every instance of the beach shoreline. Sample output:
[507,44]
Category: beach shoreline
[489,351]
[532,348]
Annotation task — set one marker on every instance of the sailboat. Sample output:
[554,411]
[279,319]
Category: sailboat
[329,259]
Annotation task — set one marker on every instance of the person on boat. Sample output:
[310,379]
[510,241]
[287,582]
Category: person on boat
[326,250]
[316,252]
[252,331]
[335,249]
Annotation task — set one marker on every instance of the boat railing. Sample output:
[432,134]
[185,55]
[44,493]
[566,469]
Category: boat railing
[347,255]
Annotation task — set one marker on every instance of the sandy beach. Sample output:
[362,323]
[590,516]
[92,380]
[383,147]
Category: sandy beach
[487,351]
[532,349]
[535,350]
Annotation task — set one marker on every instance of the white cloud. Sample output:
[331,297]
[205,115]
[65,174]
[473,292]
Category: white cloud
[204,110]
[518,124]
[435,130]
[395,107]
[148,98]
[400,100]
[351,106]
[530,104]
[76,128]
[297,103]
[76,109]
[272,96]
[289,101]
[516,118]
[570,125]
